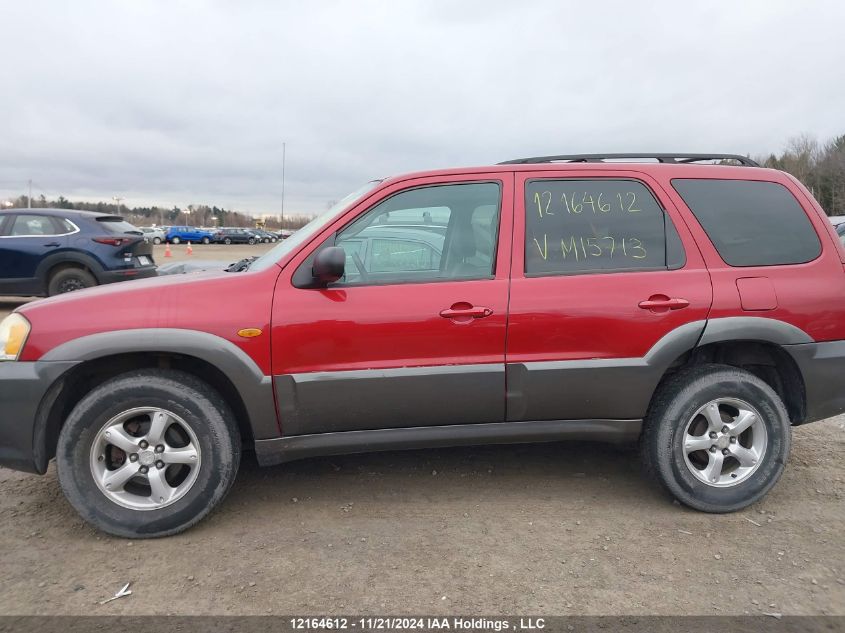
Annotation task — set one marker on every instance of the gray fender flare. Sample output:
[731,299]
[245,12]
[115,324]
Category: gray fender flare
[753,329]
[253,386]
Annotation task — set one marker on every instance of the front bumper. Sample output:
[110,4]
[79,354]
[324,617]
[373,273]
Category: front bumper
[823,367]
[24,387]
[111,276]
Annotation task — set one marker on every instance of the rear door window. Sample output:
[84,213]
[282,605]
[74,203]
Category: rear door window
[751,223]
[26,225]
[598,225]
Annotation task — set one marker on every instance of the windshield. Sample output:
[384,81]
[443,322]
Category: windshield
[304,234]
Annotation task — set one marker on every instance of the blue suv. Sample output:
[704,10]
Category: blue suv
[51,251]
[176,234]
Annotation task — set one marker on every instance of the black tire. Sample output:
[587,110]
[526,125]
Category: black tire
[156,241]
[68,280]
[227,241]
[197,404]
[672,408]
[175,240]
[251,241]
[206,240]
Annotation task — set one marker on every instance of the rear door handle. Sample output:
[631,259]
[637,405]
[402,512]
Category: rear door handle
[52,245]
[662,303]
[463,311]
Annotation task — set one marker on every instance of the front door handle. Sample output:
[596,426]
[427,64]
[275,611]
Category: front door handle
[465,312]
[662,303]
[51,245]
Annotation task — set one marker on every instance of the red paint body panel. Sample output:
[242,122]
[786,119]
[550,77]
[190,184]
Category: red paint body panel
[217,303]
[810,296]
[375,327]
[590,316]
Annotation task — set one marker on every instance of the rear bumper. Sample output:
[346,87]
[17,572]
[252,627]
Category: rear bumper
[111,276]
[24,388]
[823,367]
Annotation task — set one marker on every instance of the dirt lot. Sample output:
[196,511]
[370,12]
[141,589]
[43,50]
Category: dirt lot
[549,529]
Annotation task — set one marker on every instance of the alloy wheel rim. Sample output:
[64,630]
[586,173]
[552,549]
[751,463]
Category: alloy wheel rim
[145,458]
[724,442]
[71,284]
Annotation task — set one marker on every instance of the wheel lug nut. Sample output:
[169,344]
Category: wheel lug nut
[159,464]
[712,435]
[725,451]
[733,440]
[143,444]
[133,457]
[144,469]
[724,429]
[160,448]
[712,449]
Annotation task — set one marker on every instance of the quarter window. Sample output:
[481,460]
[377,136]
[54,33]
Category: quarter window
[751,223]
[574,226]
[435,233]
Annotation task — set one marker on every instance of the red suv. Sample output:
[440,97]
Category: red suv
[697,307]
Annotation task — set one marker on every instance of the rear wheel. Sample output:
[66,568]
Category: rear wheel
[206,240]
[156,240]
[227,241]
[716,437]
[68,280]
[148,453]
[251,241]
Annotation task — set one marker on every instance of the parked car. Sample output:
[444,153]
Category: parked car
[156,235]
[840,230]
[177,234]
[265,236]
[52,251]
[233,236]
[696,308]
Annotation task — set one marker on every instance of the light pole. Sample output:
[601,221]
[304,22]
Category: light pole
[117,200]
[282,218]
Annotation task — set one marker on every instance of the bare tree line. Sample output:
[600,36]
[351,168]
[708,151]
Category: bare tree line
[820,166]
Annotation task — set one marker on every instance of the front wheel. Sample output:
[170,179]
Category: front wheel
[175,240]
[227,241]
[716,437]
[148,453]
[251,241]
[156,241]
[206,240]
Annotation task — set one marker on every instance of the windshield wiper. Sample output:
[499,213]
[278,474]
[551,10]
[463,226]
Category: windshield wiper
[240,265]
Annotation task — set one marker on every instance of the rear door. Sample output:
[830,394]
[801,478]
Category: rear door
[608,288]
[26,240]
[414,335]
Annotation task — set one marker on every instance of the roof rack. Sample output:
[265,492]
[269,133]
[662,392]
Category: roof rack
[660,158]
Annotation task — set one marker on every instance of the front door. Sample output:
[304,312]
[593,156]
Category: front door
[414,334]
[608,290]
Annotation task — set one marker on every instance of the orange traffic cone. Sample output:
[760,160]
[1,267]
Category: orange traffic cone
[190,249]
[167,250]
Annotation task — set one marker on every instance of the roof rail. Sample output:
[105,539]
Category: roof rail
[660,158]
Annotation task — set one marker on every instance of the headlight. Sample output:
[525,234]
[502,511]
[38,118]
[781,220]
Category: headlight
[13,332]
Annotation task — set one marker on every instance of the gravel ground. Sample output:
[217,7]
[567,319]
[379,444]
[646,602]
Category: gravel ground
[551,529]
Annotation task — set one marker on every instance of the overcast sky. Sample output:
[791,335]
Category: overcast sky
[165,102]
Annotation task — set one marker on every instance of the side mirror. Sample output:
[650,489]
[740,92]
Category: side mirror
[329,265]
